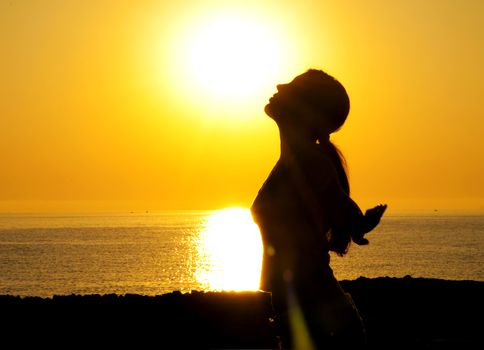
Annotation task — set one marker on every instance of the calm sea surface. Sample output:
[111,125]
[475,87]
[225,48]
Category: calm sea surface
[150,254]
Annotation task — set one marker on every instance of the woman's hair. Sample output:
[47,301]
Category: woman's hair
[339,239]
[328,98]
[325,96]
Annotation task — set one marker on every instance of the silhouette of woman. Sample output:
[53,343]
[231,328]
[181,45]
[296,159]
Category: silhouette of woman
[304,210]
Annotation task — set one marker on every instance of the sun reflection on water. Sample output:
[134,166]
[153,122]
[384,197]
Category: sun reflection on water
[230,251]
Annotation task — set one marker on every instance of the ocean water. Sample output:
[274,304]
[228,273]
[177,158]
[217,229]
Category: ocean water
[156,253]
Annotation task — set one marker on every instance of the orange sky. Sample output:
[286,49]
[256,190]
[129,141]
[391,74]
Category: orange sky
[99,112]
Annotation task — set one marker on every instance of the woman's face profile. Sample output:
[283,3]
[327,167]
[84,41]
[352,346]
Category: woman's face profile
[313,101]
[287,100]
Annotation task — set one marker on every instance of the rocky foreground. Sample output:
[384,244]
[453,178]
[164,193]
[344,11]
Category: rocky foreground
[405,313]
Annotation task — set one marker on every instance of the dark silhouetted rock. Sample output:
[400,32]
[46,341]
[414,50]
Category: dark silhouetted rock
[399,313]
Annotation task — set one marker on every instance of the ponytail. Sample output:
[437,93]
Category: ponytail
[339,239]
[339,163]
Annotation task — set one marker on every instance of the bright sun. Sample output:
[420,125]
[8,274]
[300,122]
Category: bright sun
[230,56]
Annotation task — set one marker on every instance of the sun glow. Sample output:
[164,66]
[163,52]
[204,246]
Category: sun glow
[229,55]
[231,248]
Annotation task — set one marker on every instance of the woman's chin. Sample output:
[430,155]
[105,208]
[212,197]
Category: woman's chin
[267,110]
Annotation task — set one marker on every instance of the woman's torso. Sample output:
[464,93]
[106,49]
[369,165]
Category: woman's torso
[293,224]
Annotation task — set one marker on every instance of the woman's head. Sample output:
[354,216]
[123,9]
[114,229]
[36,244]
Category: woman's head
[314,99]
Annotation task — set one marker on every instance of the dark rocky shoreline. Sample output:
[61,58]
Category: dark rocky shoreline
[405,313]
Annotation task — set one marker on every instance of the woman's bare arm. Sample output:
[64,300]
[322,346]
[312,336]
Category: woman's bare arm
[327,197]
[344,213]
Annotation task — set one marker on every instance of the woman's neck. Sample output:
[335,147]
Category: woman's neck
[292,141]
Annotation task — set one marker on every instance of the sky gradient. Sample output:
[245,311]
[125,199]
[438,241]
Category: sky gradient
[98,111]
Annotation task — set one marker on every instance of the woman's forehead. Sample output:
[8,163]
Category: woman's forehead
[299,78]
[304,78]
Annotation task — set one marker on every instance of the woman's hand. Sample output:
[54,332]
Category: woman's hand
[370,220]
[373,216]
